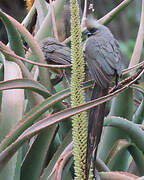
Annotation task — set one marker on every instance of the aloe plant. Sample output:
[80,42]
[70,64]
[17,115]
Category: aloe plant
[37,139]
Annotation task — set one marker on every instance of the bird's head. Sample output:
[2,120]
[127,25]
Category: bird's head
[94,28]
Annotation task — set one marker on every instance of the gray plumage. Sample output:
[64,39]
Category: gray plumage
[55,52]
[102,54]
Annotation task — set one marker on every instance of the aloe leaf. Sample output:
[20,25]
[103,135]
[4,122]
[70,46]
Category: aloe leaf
[122,145]
[122,106]
[25,84]
[29,17]
[55,157]
[138,157]
[117,175]
[67,174]
[42,10]
[137,52]
[11,111]
[36,156]
[30,117]
[139,87]
[101,166]
[34,47]
[116,149]
[131,129]
[13,36]
[138,117]
[25,71]
[46,28]
[61,162]
[33,98]
[1,57]
[28,38]
[1,72]
[34,129]
[18,164]
[41,125]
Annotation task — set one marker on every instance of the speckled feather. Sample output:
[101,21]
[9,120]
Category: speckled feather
[55,52]
[102,56]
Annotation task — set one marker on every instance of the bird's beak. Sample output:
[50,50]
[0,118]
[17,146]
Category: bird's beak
[86,32]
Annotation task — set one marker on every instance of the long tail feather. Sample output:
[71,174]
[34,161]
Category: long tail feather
[95,125]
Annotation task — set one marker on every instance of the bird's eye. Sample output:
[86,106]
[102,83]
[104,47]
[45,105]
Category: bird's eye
[93,30]
[90,32]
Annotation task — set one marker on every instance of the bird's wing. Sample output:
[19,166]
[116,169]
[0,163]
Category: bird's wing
[102,58]
[55,52]
[64,53]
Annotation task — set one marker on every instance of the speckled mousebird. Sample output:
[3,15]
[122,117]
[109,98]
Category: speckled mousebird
[56,52]
[102,56]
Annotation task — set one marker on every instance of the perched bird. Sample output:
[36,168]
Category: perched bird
[58,53]
[102,56]
[55,52]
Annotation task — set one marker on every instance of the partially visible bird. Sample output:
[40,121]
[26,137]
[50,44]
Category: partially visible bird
[58,53]
[55,51]
[102,56]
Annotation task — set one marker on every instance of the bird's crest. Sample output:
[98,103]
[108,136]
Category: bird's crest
[91,22]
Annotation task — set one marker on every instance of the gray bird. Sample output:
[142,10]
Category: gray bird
[58,53]
[102,56]
[55,52]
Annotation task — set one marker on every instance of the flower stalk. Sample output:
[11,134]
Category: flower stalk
[79,121]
